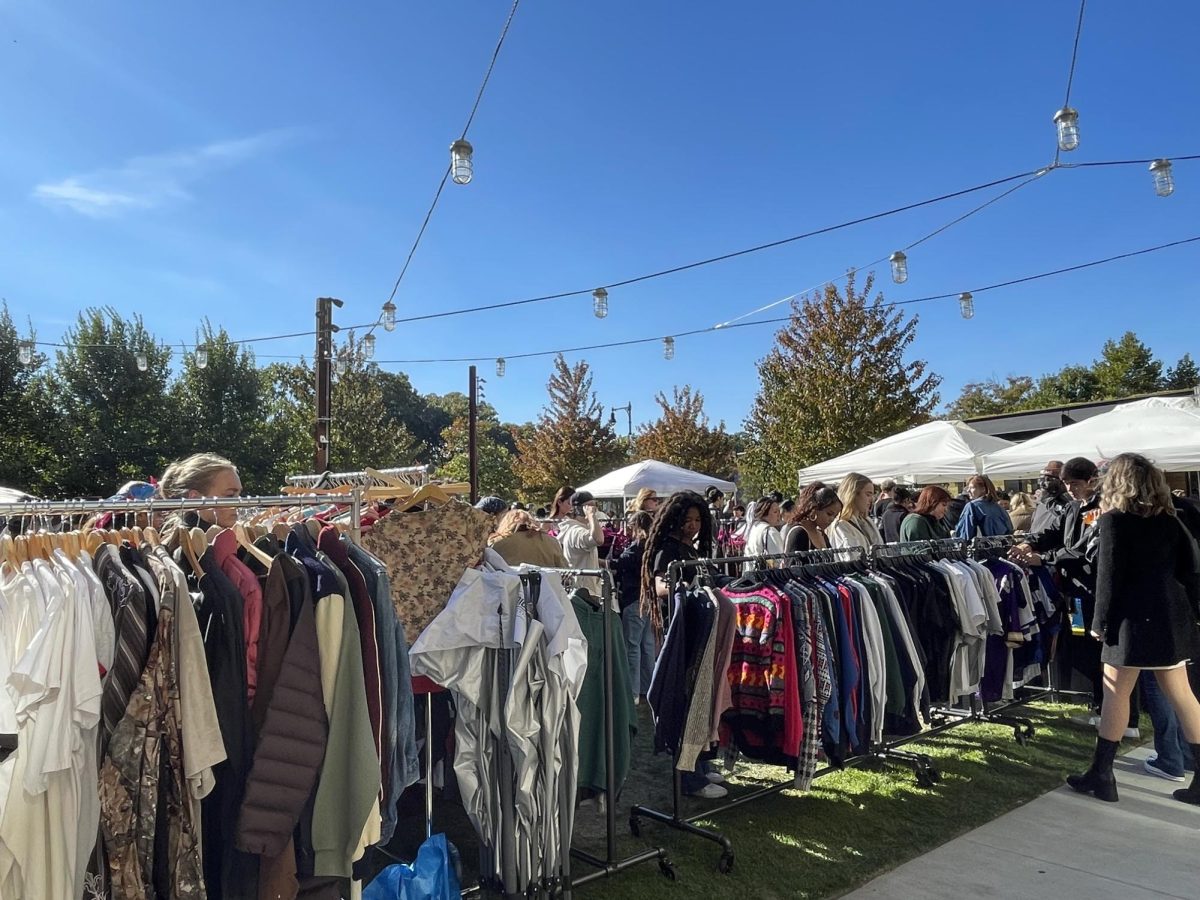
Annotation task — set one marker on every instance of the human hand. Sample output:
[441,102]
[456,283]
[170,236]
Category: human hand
[1096,635]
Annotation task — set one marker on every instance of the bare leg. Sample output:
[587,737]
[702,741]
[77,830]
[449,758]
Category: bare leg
[1174,683]
[1119,683]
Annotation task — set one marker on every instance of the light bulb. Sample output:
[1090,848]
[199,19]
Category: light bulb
[1164,184]
[966,305]
[341,365]
[1067,121]
[201,358]
[461,168]
[500,364]
[389,316]
[368,346]
[899,267]
[600,302]
[25,353]
[143,361]
[668,348]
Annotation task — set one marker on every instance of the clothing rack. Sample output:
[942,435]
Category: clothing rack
[417,476]
[924,769]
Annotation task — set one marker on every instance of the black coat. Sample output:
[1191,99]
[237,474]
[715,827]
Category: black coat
[890,525]
[1147,591]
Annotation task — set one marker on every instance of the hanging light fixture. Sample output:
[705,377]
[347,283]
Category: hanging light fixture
[600,302]
[389,316]
[341,365]
[1067,121]
[966,305]
[25,353]
[899,267]
[143,361]
[201,357]
[1164,184]
[368,347]
[500,364]
[668,348]
[461,168]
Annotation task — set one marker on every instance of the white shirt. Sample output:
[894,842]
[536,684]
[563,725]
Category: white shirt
[580,549]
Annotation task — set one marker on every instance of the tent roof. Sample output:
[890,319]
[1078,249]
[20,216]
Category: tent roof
[1165,429]
[660,477]
[935,451]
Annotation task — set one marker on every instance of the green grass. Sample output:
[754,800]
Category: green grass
[854,825]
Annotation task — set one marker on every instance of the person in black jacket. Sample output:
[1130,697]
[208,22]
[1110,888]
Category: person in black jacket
[640,644]
[1147,613]
[902,504]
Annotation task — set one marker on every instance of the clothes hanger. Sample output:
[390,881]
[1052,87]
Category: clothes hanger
[246,543]
[151,536]
[189,541]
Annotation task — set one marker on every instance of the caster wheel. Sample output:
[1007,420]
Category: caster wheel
[1030,731]
[725,864]
[668,870]
[933,775]
[635,826]
[923,780]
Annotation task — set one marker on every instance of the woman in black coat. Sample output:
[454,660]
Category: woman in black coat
[1147,611]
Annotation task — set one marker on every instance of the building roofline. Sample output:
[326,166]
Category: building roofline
[1175,392]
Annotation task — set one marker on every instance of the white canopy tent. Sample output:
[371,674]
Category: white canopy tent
[663,478]
[934,452]
[1165,429]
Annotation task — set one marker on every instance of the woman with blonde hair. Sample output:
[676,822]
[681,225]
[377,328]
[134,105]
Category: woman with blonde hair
[200,475]
[983,516]
[1147,611]
[519,539]
[1020,510]
[853,526]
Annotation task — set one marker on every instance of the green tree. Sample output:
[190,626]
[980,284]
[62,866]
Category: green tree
[1184,374]
[496,475]
[27,454]
[838,377]
[112,421]
[363,431]
[683,436]
[413,410]
[225,408]
[1127,367]
[571,443]
[991,397]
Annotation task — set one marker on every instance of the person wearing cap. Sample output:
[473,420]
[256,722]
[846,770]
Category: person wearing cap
[581,534]
[1053,498]
[493,506]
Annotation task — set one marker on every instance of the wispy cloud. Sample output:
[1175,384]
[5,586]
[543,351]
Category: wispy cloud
[148,182]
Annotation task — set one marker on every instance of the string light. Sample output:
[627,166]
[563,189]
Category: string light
[368,347]
[1164,184]
[1067,122]
[389,316]
[668,348]
[500,364]
[600,302]
[143,361]
[341,365]
[461,167]
[966,305]
[201,357]
[25,353]
[899,263]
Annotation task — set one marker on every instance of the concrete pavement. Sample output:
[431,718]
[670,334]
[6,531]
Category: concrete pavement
[1064,846]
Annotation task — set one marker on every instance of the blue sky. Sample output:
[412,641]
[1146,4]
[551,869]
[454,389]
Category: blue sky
[238,160]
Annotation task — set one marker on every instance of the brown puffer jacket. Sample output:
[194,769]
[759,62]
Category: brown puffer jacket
[291,745]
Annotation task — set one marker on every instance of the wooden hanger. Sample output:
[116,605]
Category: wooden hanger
[93,541]
[244,541]
[189,540]
[151,536]
[8,550]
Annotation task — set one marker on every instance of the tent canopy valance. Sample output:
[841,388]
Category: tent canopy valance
[1165,429]
[934,452]
[663,478]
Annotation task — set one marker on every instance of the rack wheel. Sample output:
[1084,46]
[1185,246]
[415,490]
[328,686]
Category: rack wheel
[635,826]
[725,863]
[1020,736]
[933,774]
[668,869]
[1030,731]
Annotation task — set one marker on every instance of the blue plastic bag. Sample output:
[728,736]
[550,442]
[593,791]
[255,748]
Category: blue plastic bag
[432,877]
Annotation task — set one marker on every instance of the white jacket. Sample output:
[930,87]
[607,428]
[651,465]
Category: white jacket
[856,532]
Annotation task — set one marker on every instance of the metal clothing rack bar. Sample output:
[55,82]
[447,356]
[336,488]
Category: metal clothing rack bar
[404,473]
[922,764]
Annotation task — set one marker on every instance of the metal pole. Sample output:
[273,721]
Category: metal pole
[472,433]
[324,374]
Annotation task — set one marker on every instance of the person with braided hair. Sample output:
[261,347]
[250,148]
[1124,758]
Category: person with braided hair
[682,530]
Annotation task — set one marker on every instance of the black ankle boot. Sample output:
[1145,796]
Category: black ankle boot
[1191,793]
[1099,778]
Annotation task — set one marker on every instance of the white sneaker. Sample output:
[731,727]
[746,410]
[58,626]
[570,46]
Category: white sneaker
[1151,766]
[715,777]
[1133,734]
[710,792]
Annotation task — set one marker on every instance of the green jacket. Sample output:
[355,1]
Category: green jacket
[916,527]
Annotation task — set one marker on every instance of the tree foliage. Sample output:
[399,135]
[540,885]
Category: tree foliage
[1127,367]
[988,398]
[496,475]
[1184,374]
[683,436]
[837,378]
[571,443]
